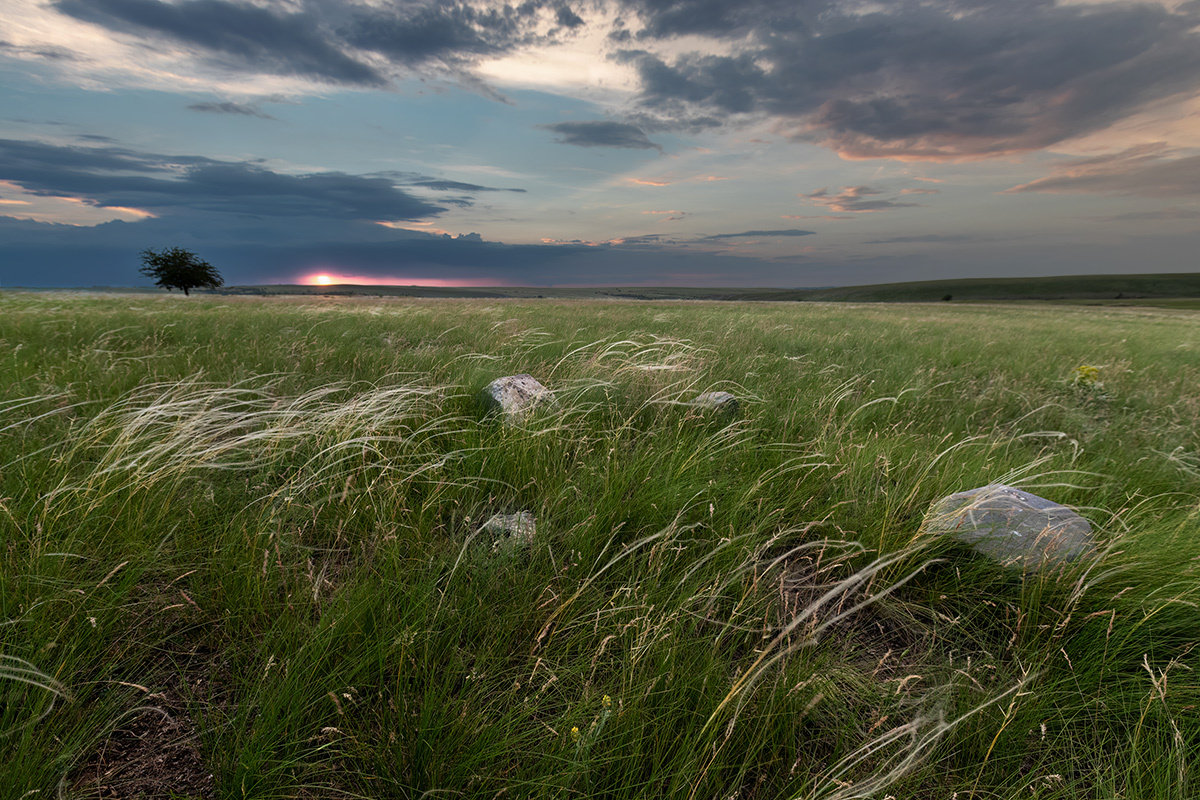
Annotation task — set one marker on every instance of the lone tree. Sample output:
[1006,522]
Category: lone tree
[177,268]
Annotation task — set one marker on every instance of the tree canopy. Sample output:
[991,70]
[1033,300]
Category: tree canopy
[178,268]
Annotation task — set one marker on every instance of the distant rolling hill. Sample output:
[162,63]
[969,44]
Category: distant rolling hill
[1073,288]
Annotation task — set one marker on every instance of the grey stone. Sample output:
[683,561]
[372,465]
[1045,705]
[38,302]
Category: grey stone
[510,531]
[515,396]
[716,401]
[1012,526]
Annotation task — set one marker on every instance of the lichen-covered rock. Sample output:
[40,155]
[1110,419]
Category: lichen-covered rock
[716,401]
[510,532]
[515,396]
[1012,526]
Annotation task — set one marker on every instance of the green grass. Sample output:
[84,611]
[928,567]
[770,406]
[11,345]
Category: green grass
[240,538]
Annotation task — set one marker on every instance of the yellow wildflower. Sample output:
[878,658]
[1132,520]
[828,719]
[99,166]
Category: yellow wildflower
[1087,375]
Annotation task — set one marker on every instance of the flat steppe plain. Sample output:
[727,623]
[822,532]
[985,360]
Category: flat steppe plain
[241,550]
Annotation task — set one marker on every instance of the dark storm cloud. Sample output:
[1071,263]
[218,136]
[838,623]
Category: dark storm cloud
[453,33]
[277,43]
[567,18]
[909,79]
[854,199]
[27,161]
[413,33]
[745,234]
[938,79]
[602,134]
[336,41]
[723,18]
[241,109]
[112,176]
[1146,171]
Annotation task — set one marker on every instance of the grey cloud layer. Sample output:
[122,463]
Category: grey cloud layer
[441,185]
[241,109]
[114,176]
[930,238]
[414,33]
[749,234]
[332,41]
[276,43]
[908,79]
[602,133]
[1147,171]
[939,79]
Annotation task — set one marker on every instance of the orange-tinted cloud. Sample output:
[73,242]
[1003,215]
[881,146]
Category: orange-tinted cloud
[1146,170]
[133,212]
[419,227]
[854,200]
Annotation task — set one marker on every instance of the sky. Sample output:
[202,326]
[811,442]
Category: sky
[773,143]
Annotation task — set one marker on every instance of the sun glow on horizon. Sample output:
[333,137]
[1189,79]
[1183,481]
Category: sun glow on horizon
[335,279]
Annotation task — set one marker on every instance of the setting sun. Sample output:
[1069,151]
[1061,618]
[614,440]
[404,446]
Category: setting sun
[339,279]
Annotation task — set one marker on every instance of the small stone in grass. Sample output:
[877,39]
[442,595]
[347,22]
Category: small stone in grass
[716,401]
[515,396]
[510,531]
[1012,526]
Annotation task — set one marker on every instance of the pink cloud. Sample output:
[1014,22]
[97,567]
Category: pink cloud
[854,200]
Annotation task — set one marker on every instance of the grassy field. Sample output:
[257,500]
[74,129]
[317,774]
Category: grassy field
[241,557]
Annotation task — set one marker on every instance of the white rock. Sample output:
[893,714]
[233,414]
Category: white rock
[1012,526]
[515,396]
[716,401]
[510,531]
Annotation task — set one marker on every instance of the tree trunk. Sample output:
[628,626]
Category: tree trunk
[185,292]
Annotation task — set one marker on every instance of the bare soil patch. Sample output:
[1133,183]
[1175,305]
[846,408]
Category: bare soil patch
[154,754]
